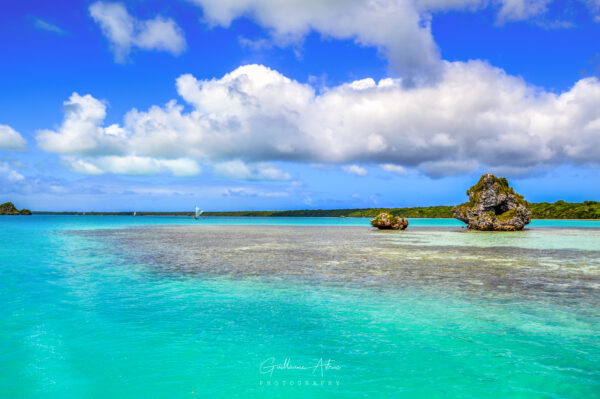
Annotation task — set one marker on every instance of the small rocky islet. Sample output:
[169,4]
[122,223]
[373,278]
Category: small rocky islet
[493,206]
[387,221]
[8,208]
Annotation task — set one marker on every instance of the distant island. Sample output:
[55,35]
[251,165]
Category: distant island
[539,210]
[8,208]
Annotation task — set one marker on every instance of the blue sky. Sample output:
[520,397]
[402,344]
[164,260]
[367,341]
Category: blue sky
[264,104]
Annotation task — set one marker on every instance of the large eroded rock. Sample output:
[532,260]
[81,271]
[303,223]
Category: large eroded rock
[493,205]
[386,221]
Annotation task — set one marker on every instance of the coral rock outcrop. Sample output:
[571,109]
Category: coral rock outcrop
[386,221]
[493,205]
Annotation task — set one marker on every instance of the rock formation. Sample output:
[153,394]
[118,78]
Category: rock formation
[386,221]
[493,205]
[8,208]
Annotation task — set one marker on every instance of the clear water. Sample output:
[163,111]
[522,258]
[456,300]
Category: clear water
[168,307]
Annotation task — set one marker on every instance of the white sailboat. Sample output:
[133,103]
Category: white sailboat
[197,213]
[134,213]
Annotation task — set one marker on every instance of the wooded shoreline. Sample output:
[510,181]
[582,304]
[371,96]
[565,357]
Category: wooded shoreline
[540,210]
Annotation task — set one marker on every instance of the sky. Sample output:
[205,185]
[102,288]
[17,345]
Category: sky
[154,105]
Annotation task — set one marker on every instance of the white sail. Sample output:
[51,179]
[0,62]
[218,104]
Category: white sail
[197,213]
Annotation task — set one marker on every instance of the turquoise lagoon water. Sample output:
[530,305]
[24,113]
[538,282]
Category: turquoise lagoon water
[168,307]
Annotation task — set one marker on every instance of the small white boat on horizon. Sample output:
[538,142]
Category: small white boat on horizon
[198,213]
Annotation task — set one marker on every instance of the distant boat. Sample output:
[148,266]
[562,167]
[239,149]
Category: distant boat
[198,213]
[134,213]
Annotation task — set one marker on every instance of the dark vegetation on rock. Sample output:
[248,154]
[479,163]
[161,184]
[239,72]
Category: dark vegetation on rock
[385,221]
[493,205]
[8,208]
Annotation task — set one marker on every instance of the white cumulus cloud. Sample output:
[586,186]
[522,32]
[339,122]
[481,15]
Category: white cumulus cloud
[246,192]
[47,26]
[125,32]
[355,170]
[9,174]
[132,165]
[81,131]
[10,139]
[237,169]
[517,10]
[398,28]
[390,167]
[474,116]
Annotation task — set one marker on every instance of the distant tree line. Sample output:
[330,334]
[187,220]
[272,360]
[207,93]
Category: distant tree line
[540,210]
